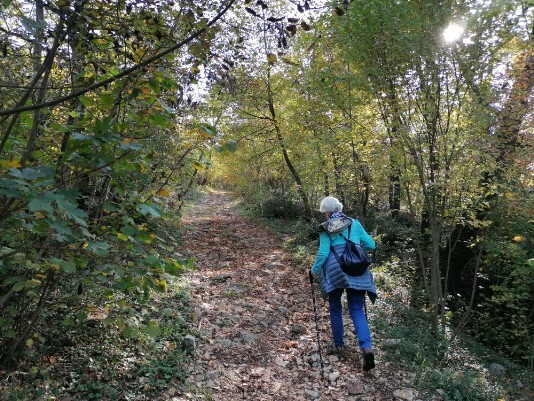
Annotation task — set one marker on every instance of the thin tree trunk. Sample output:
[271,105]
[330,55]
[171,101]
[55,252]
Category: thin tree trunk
[289,164]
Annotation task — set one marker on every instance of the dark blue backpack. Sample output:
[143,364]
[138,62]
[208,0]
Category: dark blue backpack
[354,261]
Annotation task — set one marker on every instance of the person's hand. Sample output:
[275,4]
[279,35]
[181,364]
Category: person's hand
[313,277]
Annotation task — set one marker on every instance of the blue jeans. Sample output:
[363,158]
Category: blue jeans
[356,300]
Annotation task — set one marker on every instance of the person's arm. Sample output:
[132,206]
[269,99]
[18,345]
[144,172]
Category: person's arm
[322,253]
[365,239]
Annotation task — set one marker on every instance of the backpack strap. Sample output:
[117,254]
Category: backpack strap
[332,248]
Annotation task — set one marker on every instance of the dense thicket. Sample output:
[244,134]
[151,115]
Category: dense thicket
[99,136]
[371,103]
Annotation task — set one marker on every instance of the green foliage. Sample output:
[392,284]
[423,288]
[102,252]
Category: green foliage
[85,185]
[503,318]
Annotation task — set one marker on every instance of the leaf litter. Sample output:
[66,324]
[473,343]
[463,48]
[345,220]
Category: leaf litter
[254,322]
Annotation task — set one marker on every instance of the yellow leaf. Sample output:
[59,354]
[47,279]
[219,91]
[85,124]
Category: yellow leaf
[146,90]
[7,163]
[29,342]
[287,60]
[164,192]
[39,215]
[518,238]
[127,140]
[122,236]
[41,276]
[171,346]
[198,166]
[153,235]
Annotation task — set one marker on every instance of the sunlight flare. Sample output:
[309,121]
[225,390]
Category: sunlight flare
[453,32]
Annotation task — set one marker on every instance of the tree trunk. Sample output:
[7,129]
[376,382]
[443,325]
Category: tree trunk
[289,164]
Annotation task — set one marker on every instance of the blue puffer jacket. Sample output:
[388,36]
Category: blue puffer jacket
[327,266]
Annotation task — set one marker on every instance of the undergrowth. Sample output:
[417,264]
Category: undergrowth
[137,356]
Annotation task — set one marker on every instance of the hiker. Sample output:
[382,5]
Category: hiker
[334,281]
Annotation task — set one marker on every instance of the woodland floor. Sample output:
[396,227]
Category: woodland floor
[254,321]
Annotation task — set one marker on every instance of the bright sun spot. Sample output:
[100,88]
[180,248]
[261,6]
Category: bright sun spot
[453,32]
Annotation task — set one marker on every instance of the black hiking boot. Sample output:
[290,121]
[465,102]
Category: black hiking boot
[368,361]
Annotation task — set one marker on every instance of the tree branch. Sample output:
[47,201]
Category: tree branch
[124,73]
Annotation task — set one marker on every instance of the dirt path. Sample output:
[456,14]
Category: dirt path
[256,335]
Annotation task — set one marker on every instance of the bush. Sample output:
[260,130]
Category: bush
[281,207]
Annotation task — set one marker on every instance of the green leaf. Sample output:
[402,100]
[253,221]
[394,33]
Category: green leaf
[68,267]
[68,321]
[149,209]
[42,202]
[81,316]
[85,101]
[152,329]
[198,166]
[107,101]
[33,173]
[19,285]
[61,228]
[99,248]
[71,210]
[209,130]
[230,146]
[128,332]
[130,146]
[159,120]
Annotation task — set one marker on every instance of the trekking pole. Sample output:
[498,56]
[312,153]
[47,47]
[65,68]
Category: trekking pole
[317,326]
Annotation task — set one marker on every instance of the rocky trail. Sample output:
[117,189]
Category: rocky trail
[254,324]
